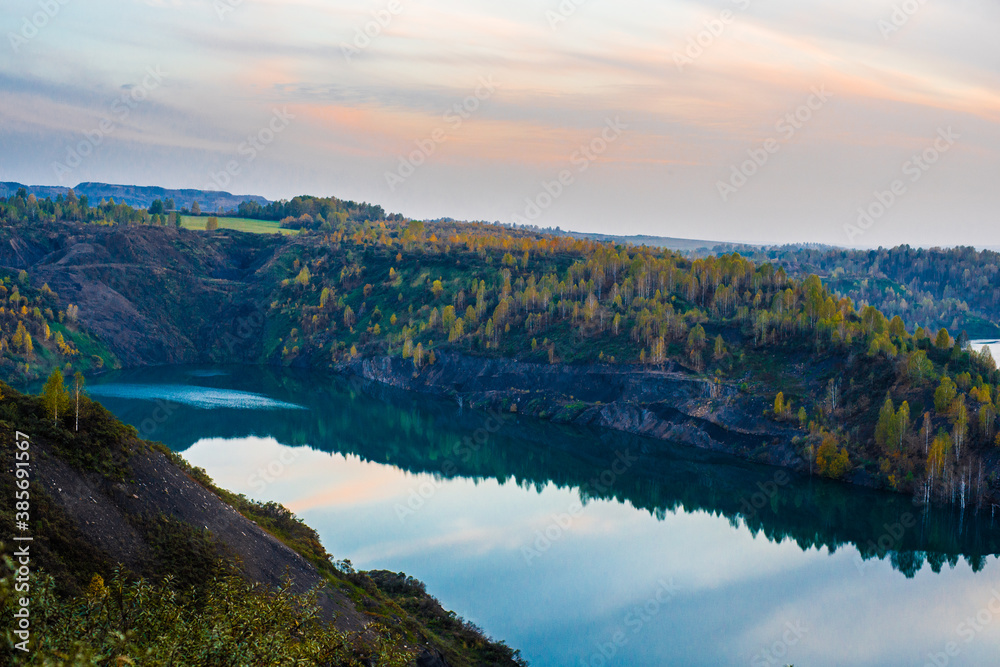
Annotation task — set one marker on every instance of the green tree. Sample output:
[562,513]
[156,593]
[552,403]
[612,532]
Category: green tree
[943,340]
[720,349]
[882,345]
[902,424]
[945,394]
[897,328]
[961,416]
[696,339]
[918,366]
[695,345]
[211,224]
[886,428]
[55,398]
[448,317]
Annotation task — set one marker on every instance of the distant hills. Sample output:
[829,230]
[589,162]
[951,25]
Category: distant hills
[669,243]
[138,196]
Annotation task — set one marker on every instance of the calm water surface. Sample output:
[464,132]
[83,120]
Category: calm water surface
[585,547]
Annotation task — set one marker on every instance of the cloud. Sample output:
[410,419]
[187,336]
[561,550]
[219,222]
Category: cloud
[557,85]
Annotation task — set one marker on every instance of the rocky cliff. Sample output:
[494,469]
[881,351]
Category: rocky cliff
[669,404]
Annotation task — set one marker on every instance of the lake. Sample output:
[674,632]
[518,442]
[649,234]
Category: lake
[587,547]
[993,344]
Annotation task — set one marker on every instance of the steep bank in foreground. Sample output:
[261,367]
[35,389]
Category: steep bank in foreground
[131,539]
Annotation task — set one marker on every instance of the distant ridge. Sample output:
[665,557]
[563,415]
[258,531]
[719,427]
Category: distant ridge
[137,196]
[651,241]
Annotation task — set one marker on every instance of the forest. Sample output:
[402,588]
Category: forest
[557,300]
[39,332]
[955,288]
[874,398]
[313,212]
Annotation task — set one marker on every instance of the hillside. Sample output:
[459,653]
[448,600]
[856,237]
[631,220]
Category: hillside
[128,538]
[669,243]
[137,196]
[716,352]
[954,288]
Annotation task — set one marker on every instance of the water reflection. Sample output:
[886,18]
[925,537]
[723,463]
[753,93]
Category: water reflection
[421,434]
[575,545]
[194,396]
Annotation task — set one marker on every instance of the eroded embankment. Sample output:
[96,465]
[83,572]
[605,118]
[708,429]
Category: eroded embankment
[668,404]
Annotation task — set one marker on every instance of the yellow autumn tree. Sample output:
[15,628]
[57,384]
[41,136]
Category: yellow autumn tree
[831,461]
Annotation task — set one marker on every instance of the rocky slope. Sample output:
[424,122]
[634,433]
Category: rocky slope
[669,404]
[102,499]
[154,295]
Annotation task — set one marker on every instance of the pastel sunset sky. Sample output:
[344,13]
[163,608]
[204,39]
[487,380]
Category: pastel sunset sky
[668,118]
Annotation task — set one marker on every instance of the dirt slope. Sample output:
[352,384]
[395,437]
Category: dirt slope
[155,486]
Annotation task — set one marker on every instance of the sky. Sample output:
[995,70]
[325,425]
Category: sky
[856,122]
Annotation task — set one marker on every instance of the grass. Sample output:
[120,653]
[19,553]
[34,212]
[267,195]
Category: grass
[239,224]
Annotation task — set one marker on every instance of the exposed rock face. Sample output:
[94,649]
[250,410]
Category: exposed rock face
[665,404]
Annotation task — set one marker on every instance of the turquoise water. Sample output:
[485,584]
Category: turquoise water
[585,547]
[193,396]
